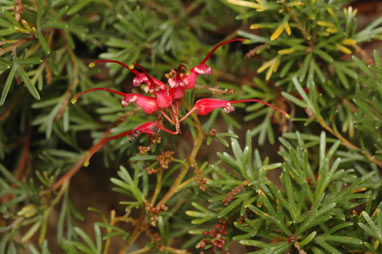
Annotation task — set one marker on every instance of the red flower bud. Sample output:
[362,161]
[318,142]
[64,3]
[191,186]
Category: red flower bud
[148,104]
[205,106]
[151,128]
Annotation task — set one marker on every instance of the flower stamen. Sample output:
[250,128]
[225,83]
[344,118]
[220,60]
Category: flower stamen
[75,98]
[218,46]
[92,64]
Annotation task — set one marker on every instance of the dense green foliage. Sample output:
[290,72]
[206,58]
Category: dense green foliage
[182,195]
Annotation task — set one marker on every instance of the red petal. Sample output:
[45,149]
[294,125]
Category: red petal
[205,106]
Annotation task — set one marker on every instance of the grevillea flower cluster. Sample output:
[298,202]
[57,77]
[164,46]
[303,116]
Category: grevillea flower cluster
[165,99]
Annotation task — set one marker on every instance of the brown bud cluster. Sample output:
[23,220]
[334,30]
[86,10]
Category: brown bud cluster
[154,139]
[165,158]
[200,179]
[212,132]
[234,192]
[153,212]
[171,74]
[217,238]
[151,170]
[154,237]
[144,149]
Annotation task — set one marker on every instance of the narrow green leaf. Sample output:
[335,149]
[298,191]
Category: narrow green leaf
[86,238]
[254,38]
[341,75]
[304,68]
[340,226]
[30,61]
[271,166]
[10,177]
[293,99]
[60,13]
[229,208]
[8,84]
[4,241]
[200,207]
[40,36]
[8,31]
[255,243]
[62,216]
[362,66]
[308,239]
[33,249]
[98,237]
[77,7]
[286,67]
[372,229]
[32,89]
[326,246]
[376,59]
[44,247]
[303,95]
[323,55]
[32,230]
[341,239]
[4,23]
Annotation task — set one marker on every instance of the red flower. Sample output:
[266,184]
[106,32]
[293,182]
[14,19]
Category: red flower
[166,100]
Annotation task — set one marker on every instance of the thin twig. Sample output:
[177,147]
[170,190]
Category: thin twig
[347,142]
[9,109]
[364,55]
[136,232]
[72,86]
[13,46]
[307,36]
